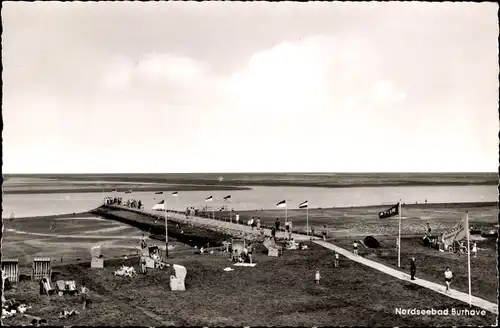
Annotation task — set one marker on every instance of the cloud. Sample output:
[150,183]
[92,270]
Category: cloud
[291,76]
[384,93]
[158,69]
[164,77]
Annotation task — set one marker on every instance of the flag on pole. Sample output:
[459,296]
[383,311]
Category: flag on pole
[393,211]
[209,199]
[281,204]
[304,204]
[159,193]
[175,194]
[159,206]
[457,232]
[227,197]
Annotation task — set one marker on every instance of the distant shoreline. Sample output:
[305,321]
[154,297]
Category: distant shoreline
[413,206]
[121,192]
[240,185]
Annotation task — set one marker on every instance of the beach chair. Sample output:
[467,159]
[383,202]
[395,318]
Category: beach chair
[61,287]
[47,288]
[10,270]
[42,268]
[177,281]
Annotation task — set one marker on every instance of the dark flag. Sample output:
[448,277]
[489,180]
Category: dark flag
[227,197]
[393,211]
[281,204]
[159,193]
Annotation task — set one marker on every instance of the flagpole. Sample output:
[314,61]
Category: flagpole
[468,253]
[307,219]
[399,235]
[166,224]
[286,211]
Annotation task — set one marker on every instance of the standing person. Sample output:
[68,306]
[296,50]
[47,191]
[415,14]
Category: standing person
[428,229]
[317,277]
[143,264]
[250,247]
[324,232]
[273,233]
[287,225]
[277,224]
[237,218]
[448,275]
[258,223]
[336,263]
[355,247]
[413,268]
[143,242]
[85,297]
[474,249]
[312,230]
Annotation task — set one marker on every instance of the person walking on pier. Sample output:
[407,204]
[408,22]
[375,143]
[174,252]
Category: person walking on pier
[413,268]
[355,247]
[324,232]
[448,275]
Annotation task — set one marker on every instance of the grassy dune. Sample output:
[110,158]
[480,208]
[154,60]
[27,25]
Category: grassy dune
[432,263]
[277,292]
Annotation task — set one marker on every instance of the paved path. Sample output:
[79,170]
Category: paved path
[476,301]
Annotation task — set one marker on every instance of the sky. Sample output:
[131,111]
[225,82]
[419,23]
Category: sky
[138,87]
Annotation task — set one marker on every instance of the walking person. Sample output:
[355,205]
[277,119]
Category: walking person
[448,276]
[273,233]
[317,277]
[237,219]
[413,268]
[474,249]
[287,225]
[324,232]
[277,224]
[355,247]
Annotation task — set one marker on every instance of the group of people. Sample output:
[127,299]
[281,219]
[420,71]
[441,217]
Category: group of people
[113,200]
[448,275]
[132,203]
[244,256]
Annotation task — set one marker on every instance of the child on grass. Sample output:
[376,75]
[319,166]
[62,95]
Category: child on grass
[317,277]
